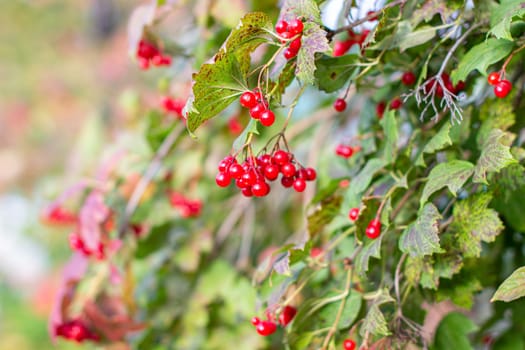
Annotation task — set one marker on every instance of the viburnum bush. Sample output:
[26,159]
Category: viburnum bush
[330,177]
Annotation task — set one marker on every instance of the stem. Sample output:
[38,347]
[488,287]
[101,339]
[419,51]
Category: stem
[333,329]
[507,61]
[151,171]
[292,108]
[396,281]
[454,48]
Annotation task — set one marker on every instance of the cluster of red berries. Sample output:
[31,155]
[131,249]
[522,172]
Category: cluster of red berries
[187,208]
[58,215]
[258,106]
[341,47]
[349,344]
[148,54]
[75,330]
[252,175]
[77,244]
[502,87]
[345,151]
[172,105]
[373,230]
[288,31]
[269,326]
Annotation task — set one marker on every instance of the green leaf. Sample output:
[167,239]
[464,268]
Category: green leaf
[437,142]
[218,84]
[241,139]
[415,38]
[324,213]
[333,73]
[452,174]
[350,311]
[474,222]
[313,41]
[372,248]
[452,332]
[495,114]
[307,9]
[501,17]
[512,288]
[374,323]
[360,183]
[429,9]
[421,237]
[154,241]
[389,124]
[494,156]
[481,56]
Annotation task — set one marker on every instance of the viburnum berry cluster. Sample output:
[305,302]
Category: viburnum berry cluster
[58,215]
[342,47]
[269,326]
[149,55]
[502,87]
[172,105]
[252,177]
[346,151]
[258,106]
[75,330]
[187,208]
[290,33]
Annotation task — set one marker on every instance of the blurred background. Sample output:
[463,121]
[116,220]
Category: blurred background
[65,88]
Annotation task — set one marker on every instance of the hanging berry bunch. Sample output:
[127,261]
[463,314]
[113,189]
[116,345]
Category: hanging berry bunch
[149,55]
[290,34]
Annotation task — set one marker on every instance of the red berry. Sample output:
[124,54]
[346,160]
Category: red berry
[408,78]
[281,157]
[255,321]
[371,13]
[264,160]
[265,328]
[373,230]
[225,163]
[315,252]
[353,214]
[341,47]
[267,118]
[289,53]
[222,180]
[257,110]
[295,27]
[75,242]
[247,192]
[157,60]
[502,88]
[235,171]
[295,45]
[281,27]
[260,188]
[493,78]
[287,315]
[311,174]
[287,182]
[460,86]
[249,178]
[380,109]
[299,185]
[271,172]
[349,344]
[344,151]
[340,105]
[248,99]
[286,36]
[396,103]
[288,169]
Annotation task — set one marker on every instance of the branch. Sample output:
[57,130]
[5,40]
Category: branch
[150,172]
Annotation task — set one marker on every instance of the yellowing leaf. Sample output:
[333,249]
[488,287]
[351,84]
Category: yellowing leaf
[512,288]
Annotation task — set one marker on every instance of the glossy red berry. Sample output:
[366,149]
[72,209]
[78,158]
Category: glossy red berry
[380,109]
[288,169]
[260,188]
[287,315]
[281,157]
[408,78]
[266,328]
[271,172]
[341,47]
[295,26]
[299,185]
[267,118]
[286,36]
[340,105]
[502,88]
[287,182]
[247,191]
[493,78]
[222,179]
[295,45]
[289,53]
[257,110]
[235,171]
[281,27]
[349,344]
[344,151]
[373,230]
[311,174]
[255,321]
[396,103]
[248,99]
[353,214]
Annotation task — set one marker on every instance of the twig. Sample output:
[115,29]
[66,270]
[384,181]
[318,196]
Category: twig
[396,281]
[150,172]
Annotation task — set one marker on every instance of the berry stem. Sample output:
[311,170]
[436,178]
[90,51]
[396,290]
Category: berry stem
[292,108]
[507,61]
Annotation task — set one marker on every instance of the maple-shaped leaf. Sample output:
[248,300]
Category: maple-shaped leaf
[374,323]
[371,249]
[495,155]
[452,174]
[313,41]
[421,237]
[474,222]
